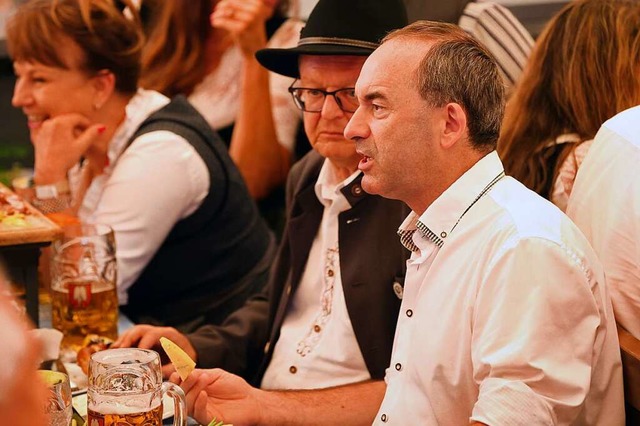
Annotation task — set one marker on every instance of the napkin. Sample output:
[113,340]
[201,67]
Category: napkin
[49,339]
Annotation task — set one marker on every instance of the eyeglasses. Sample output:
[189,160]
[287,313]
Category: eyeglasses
[312,100]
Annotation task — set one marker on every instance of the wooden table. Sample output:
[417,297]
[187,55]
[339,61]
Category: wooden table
[20,248]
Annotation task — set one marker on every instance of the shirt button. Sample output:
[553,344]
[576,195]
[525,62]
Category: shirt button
[398,367]
[409,313]
[330,272]
[383,418]
[317,328]
[293,369]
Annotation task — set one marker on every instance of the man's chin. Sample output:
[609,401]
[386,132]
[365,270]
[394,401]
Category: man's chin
[369,186]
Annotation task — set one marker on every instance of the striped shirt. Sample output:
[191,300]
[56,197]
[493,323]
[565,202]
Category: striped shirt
[502,34]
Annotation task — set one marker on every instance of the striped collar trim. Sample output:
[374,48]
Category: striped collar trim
[338,41]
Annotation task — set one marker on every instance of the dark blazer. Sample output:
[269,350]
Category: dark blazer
[372,259]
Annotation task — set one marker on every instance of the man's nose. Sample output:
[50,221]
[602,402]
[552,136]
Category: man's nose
[356,127]
[330,108]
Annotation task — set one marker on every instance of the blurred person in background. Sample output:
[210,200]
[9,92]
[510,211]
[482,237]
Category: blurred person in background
[206,49]
[191,246]
[23,395]
[570,87]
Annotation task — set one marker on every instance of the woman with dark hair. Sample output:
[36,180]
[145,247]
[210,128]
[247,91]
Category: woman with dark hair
[583,70]
[205,49]
[190,244]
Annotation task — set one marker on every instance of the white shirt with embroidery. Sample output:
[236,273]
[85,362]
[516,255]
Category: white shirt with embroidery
[317,347]
[145,190]
[505,317]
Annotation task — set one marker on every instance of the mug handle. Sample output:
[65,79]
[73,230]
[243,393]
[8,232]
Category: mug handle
[179,403]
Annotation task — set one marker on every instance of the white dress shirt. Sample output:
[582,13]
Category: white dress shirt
[605,204]
[317,347]
[144,191]
[505,317]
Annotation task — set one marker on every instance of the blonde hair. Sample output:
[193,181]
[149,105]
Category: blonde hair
[583,70]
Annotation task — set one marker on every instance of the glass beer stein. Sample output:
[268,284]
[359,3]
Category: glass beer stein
[125,389]
[84,297]
[59,401]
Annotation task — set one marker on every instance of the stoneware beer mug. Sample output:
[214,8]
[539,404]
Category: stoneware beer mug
[126,389]
[84,298]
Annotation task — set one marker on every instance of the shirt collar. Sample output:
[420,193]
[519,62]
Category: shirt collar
[141,105]
[328,186]
[442,216]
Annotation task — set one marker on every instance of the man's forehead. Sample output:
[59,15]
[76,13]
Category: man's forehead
[330,64]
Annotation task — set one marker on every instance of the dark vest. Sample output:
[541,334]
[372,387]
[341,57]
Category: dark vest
[213,259]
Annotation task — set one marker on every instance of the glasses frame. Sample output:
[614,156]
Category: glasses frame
[333,93]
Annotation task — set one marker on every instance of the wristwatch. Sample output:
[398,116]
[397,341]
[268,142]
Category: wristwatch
[55,190]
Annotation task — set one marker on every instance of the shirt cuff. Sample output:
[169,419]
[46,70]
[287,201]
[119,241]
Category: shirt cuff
[507,402]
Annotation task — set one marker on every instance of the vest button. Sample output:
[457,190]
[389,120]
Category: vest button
[356,190]
[317,328]
[330,272]
[293,369]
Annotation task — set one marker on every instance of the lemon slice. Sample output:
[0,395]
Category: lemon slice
[182,362]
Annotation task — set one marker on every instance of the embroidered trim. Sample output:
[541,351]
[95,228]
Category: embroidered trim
[338,41]
[311,339]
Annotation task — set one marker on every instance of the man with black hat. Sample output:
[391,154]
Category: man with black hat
[328,316]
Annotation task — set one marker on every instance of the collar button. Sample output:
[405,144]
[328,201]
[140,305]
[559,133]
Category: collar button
[357,191]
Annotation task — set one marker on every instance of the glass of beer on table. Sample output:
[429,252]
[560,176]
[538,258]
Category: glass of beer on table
[126,389]
[59,401]
[84,298]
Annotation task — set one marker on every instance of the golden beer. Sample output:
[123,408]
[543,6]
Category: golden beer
[81,307]
[152,417]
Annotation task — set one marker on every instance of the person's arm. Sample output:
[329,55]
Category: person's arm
[225,397]
[59,145]
[262,160]
[533,325]
[237,345]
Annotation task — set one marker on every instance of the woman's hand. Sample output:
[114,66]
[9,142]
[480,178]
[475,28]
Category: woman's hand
[245,21]
[60,143]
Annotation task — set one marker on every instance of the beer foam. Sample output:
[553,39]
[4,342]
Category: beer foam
[121,409]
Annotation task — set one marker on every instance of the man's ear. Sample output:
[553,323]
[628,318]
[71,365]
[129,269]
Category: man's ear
[104,84]
[455,128]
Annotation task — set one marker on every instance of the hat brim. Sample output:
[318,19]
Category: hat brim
[285,61]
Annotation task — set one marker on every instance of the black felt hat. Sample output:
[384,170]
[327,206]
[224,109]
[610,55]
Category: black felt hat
[338,27]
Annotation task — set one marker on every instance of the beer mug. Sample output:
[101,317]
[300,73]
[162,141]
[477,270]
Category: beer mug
[84,298]
[59,401]
[126,389]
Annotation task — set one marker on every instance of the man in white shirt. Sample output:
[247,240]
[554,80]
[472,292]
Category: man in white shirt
[605,204]
[505,318]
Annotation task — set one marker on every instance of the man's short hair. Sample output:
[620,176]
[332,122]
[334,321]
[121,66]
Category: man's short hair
[458,69]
